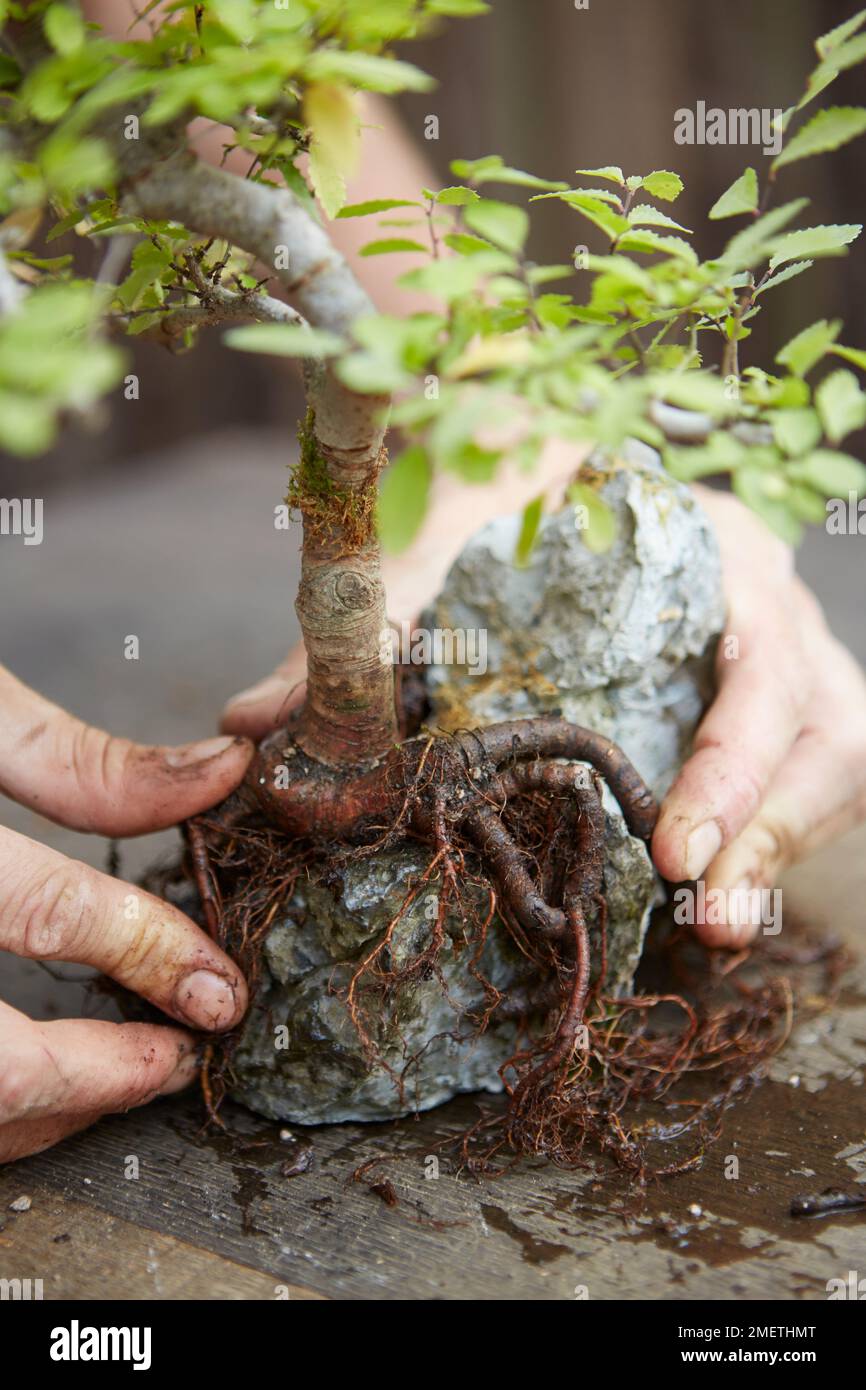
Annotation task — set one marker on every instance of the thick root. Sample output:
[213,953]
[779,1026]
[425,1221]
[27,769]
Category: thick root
[482,800]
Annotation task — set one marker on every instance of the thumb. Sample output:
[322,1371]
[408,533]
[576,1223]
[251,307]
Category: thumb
[265,706]
[88,780]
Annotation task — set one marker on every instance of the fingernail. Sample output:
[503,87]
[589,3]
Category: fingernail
[702,846]
[191,753]
[183,1075]
[207,1000]
[272,685]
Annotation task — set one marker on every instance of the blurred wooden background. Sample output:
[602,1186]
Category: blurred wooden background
[552,88]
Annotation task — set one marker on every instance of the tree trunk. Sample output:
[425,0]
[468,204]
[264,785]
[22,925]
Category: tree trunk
[349,715]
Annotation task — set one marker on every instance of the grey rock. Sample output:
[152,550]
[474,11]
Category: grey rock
[622,642]
[426,1051]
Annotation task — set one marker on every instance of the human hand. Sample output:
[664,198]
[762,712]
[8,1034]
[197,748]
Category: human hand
[59,1077]
[778,765]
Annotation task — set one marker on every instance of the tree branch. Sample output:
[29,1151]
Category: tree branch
[216,306]
[271,224]
[349,714]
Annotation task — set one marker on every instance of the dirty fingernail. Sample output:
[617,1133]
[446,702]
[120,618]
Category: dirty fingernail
[191,753]
[702,847]
[273,685]
[207,1000]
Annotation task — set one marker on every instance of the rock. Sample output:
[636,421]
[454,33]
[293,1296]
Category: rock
[622,642]
[322,1075]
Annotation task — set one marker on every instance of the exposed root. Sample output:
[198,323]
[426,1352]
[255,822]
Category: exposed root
[499,813]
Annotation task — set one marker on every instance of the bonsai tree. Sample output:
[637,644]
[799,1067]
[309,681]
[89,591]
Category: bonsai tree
[645,341]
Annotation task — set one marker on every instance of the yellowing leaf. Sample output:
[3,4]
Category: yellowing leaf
[329,111]
[486,354]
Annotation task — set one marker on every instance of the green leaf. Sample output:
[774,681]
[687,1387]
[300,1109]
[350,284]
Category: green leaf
[594,207]
[825,45]
[741,197]
[366,70]
[457,197]
[609,172]
[818,81]
[27,424]
[237,18]
[459,9]
[388,244]
[855,355]
[452,277]
[814,241]
[787,274]
[754,242]
[284,340]
[403,496]
[806,504]
[664,185]
[844,56]
[783,393]
[722,453]
[70,166]
[65,225]
[809,346]
[796,431]
[841,404]
[465,244]
[10,73]
[765,493]
[649,242]
[830,473]
[492,169]
[696,390]
[593,518]
[375,205]
[645,215]
[828,130]
[502,223]
[64,29]
[529,524]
